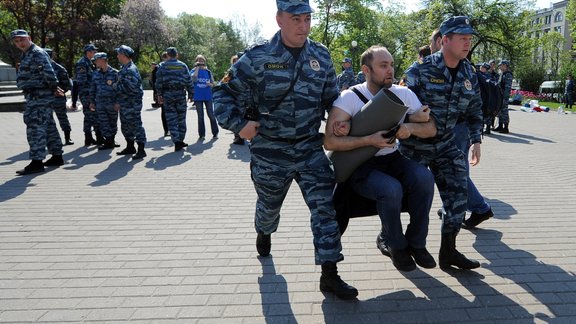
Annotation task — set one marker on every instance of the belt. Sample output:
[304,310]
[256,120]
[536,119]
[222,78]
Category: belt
[290,141]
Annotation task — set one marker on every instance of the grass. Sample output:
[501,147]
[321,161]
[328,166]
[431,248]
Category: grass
[552,104]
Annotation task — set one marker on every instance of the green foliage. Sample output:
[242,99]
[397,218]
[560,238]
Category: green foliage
[531,77]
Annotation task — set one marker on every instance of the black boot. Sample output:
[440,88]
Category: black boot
[475,219]
[129,148]
[100,139]
[55,160]
[330,281]
[108,144]
[67,140]
[449,256]
[35,166]
[487,130]
[88,139]
[505,129]
[141,153]
[263,244]
[499,128]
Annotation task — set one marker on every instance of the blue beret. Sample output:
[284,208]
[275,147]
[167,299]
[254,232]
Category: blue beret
[100,55]
[347,60]
[457,25]
[125,50]
[18,33]
[172,51]
[90,48]
[295,7]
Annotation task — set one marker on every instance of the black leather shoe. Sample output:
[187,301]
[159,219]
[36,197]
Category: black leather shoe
[382,246]
[55,160]
[178,146]
[423,258]
[263,244]
[35,166]
[330,281]
[475,219]
[402,260]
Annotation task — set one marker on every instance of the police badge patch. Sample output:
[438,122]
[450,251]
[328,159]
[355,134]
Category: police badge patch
[315,65]
[109,82]
[467,84]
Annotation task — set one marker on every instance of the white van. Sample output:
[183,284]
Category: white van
[551,90]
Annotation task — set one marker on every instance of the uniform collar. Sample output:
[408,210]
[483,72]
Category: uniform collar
[279,49]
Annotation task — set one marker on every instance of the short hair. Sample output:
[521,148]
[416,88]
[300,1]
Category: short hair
[233,58]
[368,55]
[424,51]
[200,56]
[435,35]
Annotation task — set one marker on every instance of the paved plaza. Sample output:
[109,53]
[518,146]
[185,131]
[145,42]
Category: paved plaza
[170,239]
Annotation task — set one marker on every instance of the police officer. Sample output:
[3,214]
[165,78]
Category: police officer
[293,81]
[447,83]
[84,71]
[38,81]
[103,99]
[128,89]
[173,80]
[60,102]
[346,79]
[505,83]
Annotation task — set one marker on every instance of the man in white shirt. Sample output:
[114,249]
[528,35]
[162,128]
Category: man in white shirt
[389,178]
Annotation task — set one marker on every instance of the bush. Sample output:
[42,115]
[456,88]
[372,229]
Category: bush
[531,77]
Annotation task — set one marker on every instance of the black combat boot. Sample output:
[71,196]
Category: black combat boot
[263,244]
[108,144]
[55,160]
[330,281]
[100,139]
[141,153]
[67,140]
[449,256]
[505,129]
[35,166]
[88,139]
[499,128]
[130,149]
[475,219]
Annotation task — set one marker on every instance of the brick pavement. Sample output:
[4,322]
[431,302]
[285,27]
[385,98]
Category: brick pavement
[170,239]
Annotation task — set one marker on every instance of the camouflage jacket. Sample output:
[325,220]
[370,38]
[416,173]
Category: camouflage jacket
[101,87]
[128,86]
[173,78]
[506,84]
[35,72]
[83,74]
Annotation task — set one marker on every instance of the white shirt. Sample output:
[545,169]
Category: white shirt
[351,104]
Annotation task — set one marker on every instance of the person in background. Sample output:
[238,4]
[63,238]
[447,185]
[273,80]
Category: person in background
[60,102]
[569,92]
[83,76]
[203,81]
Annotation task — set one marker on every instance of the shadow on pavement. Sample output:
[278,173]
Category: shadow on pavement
[517,138]
[13,159]
[75,160]
[160,144]
[501,209]
[276,306]
[547,284]
[200,146]
[17,186]
[115,171]
[170,159]
[239,152]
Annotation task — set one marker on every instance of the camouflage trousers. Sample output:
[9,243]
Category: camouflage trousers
[59,107]
[503,116]
[274,165]
[175,111]
[107,117]
[448,166]
[131,121]
[90,117]
[41,131]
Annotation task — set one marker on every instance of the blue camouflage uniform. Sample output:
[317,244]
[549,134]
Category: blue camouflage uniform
[346,79]
[128,89]
[84,71]
[103,96]
[360,78]
[288,145]
[59,105]
[172,82]
[505,83]
[38,81]
[450,101]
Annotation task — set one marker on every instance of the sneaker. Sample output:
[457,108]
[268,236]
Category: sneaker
[423,258]
[475,219]
[402,260]
[382,246]
[263,244]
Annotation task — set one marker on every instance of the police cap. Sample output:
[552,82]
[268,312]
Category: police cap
[486,66]
[347,60]
[295,7]
[90,48]
[457,25]
[504,62]
[172,51]
[18,33]
[125,50]
[100,55]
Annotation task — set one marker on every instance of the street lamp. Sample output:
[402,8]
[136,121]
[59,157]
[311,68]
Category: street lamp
[353,49]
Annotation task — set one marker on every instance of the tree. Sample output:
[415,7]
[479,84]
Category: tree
[552,49]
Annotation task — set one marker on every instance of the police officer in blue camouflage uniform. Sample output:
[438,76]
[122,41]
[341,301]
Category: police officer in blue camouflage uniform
[84,70]
[293,81]
[173,80]
[128,88]
[346,79]
[505,83]
[446,82]
[60,102]
[103,99]
[38,81]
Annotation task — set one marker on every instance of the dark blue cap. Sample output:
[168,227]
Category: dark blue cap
[347,60]
[492,61]
[172,51]
[90,48]
[18,33]
[504,62]
[295,7]
[125,50]
[100,55]
[485,65]
[457,25]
